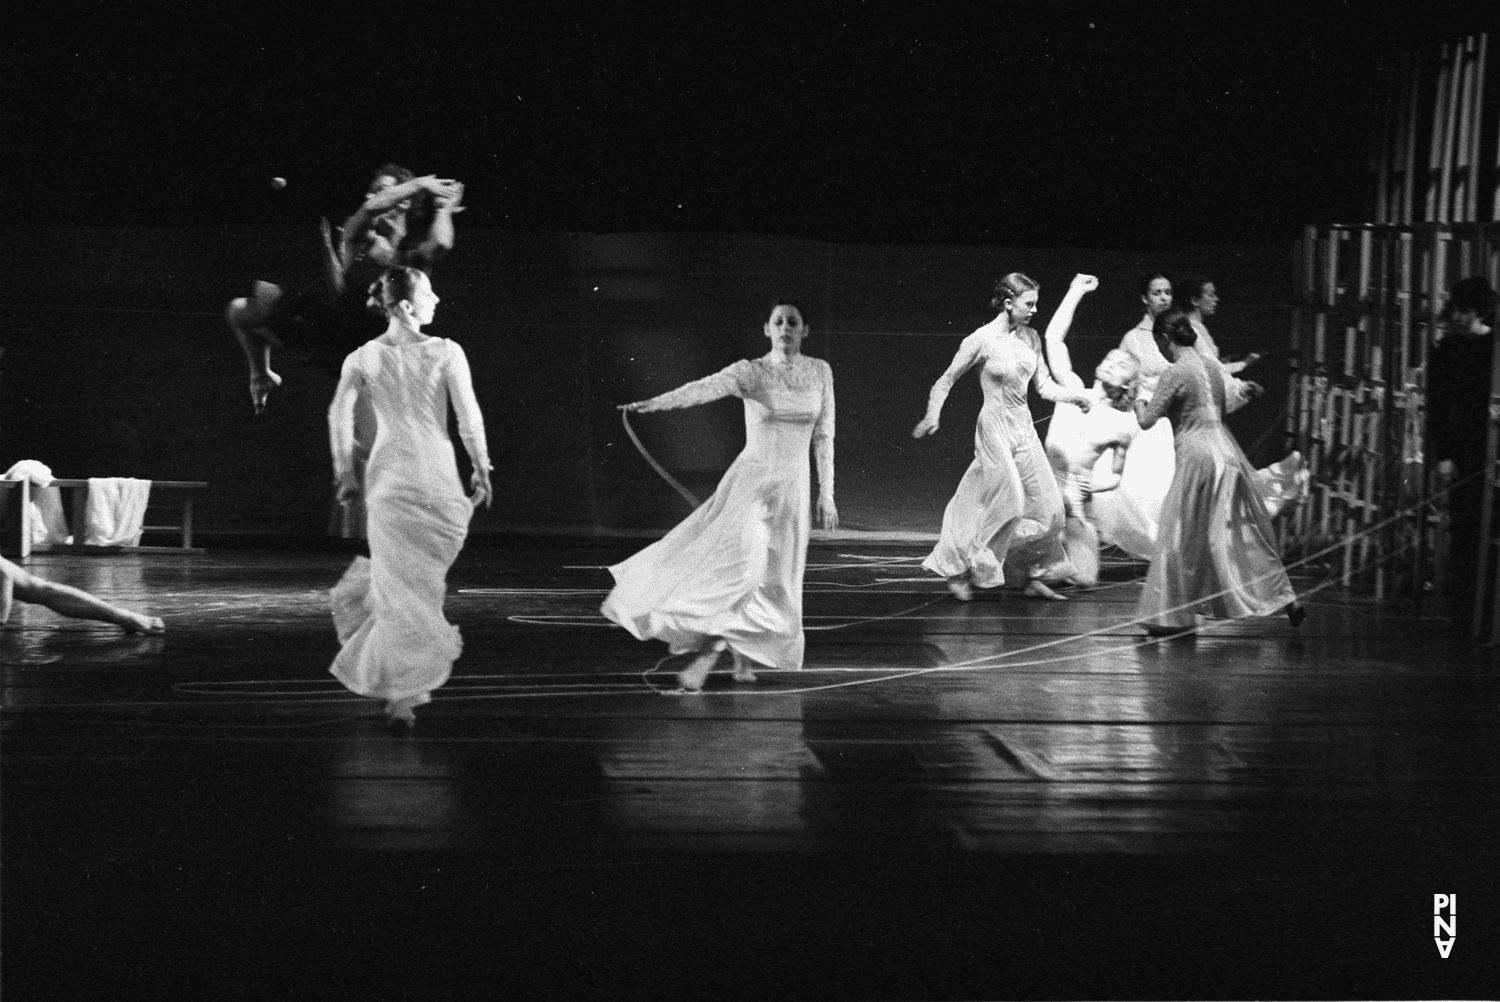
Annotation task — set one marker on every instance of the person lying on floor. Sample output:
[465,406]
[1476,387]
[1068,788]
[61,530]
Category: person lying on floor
[65,600]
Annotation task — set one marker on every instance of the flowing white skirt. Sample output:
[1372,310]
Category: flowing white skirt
[1216,554]
[732,569]
[388,609]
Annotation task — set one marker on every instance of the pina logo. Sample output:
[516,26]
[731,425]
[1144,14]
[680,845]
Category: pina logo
[1445,922]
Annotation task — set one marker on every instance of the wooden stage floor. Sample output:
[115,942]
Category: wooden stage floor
[1008,798]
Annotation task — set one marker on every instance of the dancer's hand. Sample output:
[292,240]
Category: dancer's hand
[828,513]
[479,482]
[1083,401]
[927,426]
[449,201]
[1253,389]
[261,386]
[1085,283]
[638,407]
[347,489]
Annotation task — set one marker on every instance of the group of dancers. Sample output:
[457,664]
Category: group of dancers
[729,577]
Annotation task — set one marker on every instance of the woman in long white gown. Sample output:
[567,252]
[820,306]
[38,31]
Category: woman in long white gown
[388,609]
[1215,550]
[729,576]
[1078,441]
[1006,519]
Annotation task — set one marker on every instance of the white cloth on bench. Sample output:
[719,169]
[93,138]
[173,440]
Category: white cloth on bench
[47,522]
[116,511]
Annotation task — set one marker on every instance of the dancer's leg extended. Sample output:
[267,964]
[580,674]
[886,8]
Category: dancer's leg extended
[69,601]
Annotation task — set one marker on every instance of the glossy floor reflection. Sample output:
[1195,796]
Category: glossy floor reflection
[942,780]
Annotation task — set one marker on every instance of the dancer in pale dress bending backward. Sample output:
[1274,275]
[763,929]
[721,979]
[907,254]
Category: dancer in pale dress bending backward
[1215,550]
[388,609]
[1078,441]
[1005,522]
[730,574]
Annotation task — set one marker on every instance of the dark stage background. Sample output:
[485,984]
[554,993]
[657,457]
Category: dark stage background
[121,364]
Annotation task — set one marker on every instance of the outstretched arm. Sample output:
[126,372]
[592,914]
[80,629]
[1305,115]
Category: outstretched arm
[724,383]
[341,430]
[822,440]
[470,423]
[438,240]
[1051,389]
[1057,330]
[963,360]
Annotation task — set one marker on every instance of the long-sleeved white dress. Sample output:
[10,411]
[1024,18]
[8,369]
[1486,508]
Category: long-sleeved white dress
[388,609]
[1007,514]
[733,568]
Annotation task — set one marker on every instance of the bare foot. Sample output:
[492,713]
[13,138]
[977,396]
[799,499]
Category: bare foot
[401,715]
[691,678]
[149,625]
[1035,589]
[261,387]
[743,670]
[961,588]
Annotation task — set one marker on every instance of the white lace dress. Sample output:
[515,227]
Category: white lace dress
[733,568]
[388,609]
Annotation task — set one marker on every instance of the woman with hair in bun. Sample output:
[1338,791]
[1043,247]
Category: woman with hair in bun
[1216,553]
[388,609]
[729,576]
[1006,520]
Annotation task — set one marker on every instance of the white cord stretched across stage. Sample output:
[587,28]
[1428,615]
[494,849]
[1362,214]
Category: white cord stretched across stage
[687,495]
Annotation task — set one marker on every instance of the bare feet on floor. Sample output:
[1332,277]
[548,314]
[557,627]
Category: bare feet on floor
[1035,589]
[149,625]
[691,678]
[961,588]
[744,668]
[401,715]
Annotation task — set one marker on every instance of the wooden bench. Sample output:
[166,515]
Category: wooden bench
[80,508]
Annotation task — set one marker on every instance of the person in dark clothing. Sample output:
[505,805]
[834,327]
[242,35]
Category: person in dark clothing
[1458,395]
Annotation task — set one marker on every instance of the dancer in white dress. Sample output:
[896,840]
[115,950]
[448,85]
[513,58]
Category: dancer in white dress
[1148,471]
[1078,441]
[1006,519]
[388,609]
[1216,553]
[730,574]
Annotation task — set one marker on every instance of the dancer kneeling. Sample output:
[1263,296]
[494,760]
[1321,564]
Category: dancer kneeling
[1006,518]
[65,600]
[729,576]
[388,609]
[1215,550]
